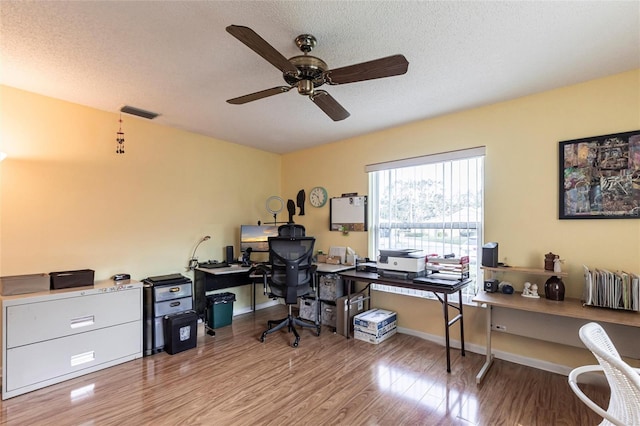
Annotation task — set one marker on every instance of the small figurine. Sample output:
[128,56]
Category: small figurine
[534,290]
[530,290]
[557,265]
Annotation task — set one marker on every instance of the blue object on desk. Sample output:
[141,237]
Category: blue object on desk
[505,288]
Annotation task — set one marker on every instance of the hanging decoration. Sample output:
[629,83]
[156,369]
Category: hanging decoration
[120,138]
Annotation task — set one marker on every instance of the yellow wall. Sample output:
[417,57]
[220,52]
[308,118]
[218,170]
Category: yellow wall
[521,188]
[70,202]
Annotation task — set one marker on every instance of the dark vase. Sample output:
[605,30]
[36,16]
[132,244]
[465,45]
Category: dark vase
[554,288]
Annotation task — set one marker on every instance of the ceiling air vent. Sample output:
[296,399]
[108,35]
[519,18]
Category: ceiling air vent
[139,112]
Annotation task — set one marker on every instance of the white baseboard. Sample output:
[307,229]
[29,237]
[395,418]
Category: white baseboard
[482,350]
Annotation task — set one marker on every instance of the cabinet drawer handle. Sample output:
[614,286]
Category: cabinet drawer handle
[83,321]
[174,289]
[82,358]
[174,304]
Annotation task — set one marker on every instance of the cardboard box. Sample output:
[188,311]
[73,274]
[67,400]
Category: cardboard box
[373,338]
[21,284]
[374,320]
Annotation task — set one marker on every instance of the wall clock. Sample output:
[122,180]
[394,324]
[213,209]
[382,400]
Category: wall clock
[318,196]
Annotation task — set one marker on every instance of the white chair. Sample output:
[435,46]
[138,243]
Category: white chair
[624,381]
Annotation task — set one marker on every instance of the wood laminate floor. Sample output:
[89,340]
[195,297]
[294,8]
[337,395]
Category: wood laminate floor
[233,379]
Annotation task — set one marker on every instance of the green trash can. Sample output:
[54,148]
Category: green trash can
[220,307]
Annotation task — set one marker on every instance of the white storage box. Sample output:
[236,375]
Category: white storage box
[361,334]
[375,325]
[21,284]
[374,320]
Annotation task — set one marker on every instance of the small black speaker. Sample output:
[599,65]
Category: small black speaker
[229,254]
[490,255]
[491,286]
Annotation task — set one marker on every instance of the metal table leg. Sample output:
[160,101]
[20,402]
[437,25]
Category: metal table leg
[489,355]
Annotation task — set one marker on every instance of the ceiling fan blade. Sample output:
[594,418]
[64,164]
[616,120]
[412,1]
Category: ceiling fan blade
[378,68]
[329,105]
[259,95]
[262,48]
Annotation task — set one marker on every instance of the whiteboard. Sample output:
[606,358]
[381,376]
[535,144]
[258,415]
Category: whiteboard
[348,213]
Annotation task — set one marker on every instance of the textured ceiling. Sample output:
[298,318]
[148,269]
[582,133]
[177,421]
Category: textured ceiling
[175,58]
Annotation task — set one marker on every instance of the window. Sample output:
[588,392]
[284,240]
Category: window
[432,203]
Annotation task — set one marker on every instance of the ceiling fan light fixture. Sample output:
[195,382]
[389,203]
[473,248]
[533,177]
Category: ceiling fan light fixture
[305,87]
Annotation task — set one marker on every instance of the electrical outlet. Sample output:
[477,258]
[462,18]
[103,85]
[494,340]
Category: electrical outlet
[498,327]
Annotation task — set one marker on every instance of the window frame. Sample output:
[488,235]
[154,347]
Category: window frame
[375,228]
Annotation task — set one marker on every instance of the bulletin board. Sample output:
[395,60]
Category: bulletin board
[348,213]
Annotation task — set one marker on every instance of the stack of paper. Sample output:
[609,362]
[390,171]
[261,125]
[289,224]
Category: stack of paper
[615,290]
[448,268]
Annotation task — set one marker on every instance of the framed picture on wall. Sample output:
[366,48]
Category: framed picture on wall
[600,177]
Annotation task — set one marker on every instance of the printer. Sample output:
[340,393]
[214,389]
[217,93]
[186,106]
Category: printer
[403,264]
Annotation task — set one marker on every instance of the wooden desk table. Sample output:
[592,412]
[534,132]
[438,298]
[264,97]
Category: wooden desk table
[441,292]
[570,308]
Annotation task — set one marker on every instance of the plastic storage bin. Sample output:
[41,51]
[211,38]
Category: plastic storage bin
[220,308]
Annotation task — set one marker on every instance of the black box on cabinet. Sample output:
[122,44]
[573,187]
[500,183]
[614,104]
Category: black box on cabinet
[69,279]
[180,332]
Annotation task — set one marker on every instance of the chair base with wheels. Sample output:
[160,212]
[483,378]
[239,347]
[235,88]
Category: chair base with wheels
[290,322]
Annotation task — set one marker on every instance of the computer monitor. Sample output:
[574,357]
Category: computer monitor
[257,237]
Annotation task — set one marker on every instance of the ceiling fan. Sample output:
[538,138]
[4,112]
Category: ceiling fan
[307,73]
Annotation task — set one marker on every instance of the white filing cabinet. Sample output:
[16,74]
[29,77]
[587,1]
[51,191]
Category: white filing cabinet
[52,336]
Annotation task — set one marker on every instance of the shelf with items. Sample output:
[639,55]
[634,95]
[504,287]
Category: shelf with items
[553,287]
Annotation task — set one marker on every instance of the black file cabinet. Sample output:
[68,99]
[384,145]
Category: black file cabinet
[163,295]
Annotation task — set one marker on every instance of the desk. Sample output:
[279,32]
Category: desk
[207,280]
[437,290]
[569,308]
[329,268]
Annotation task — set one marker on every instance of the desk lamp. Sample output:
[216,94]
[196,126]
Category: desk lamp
[193,262]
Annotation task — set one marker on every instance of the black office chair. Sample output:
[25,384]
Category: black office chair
[291,230]
[290,275]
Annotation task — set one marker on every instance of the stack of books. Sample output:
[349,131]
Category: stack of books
[448,268]
[614,290]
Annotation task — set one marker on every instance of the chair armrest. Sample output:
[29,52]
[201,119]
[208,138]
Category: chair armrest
[573,384]
[265,271]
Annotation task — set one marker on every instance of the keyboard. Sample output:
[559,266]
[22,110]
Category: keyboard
[213,265]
